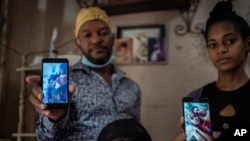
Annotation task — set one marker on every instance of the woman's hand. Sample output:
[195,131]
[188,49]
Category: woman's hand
[182,136]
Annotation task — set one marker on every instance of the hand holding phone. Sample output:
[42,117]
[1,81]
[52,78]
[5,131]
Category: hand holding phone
[197,121]
[55,82]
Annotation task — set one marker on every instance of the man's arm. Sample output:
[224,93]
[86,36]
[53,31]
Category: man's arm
[51,131]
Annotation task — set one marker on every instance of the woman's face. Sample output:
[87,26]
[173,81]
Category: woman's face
[194,119]
[226,48]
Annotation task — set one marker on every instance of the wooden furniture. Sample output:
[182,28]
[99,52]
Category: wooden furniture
[23,70]
[117,7]
[136,6]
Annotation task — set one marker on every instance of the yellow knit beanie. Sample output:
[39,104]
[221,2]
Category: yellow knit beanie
[88,14]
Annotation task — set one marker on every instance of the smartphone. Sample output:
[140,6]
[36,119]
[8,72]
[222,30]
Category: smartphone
[197,120]
[55,82]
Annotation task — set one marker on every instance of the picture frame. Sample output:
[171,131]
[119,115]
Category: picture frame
[146,44]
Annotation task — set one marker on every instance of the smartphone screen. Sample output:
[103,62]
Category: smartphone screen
[55,82]
[197,121]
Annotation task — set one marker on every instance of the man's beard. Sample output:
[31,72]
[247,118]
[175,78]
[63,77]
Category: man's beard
[99,61]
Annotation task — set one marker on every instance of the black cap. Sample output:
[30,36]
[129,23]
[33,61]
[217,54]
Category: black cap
[124,130]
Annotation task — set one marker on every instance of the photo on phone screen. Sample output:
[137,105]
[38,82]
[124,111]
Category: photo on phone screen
[55,82]
[197,121]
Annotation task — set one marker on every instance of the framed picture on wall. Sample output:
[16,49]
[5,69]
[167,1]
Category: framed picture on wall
[145,43]
[123,51]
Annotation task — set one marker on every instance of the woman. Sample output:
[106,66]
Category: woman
[228,43]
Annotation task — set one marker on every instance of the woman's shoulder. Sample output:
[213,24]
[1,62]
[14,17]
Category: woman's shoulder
[196,93]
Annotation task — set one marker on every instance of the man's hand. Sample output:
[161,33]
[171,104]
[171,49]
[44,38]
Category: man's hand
[36,98]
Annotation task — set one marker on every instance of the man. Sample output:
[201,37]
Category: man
[100,91]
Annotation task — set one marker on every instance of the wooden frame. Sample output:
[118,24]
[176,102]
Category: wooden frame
[143,44]
[117,7]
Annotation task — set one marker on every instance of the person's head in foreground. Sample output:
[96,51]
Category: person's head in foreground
[124,130]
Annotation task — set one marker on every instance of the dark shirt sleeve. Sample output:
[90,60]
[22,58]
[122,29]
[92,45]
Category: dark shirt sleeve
[195,93]
[48,130]
[137,108]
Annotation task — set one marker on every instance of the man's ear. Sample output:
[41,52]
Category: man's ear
[77,42]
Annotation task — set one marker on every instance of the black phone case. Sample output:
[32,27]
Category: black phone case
[197,119]
[55,71]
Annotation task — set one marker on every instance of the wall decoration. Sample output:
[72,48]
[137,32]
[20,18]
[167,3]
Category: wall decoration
[123,51]
[188,15]
[141,44]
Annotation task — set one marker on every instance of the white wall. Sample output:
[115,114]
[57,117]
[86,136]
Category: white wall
[187,67]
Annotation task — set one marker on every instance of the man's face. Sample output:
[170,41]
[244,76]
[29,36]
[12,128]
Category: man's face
[96,41]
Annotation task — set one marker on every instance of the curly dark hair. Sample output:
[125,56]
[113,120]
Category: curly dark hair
[223,11]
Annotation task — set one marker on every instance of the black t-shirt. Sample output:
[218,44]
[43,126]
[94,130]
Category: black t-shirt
[240,101]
